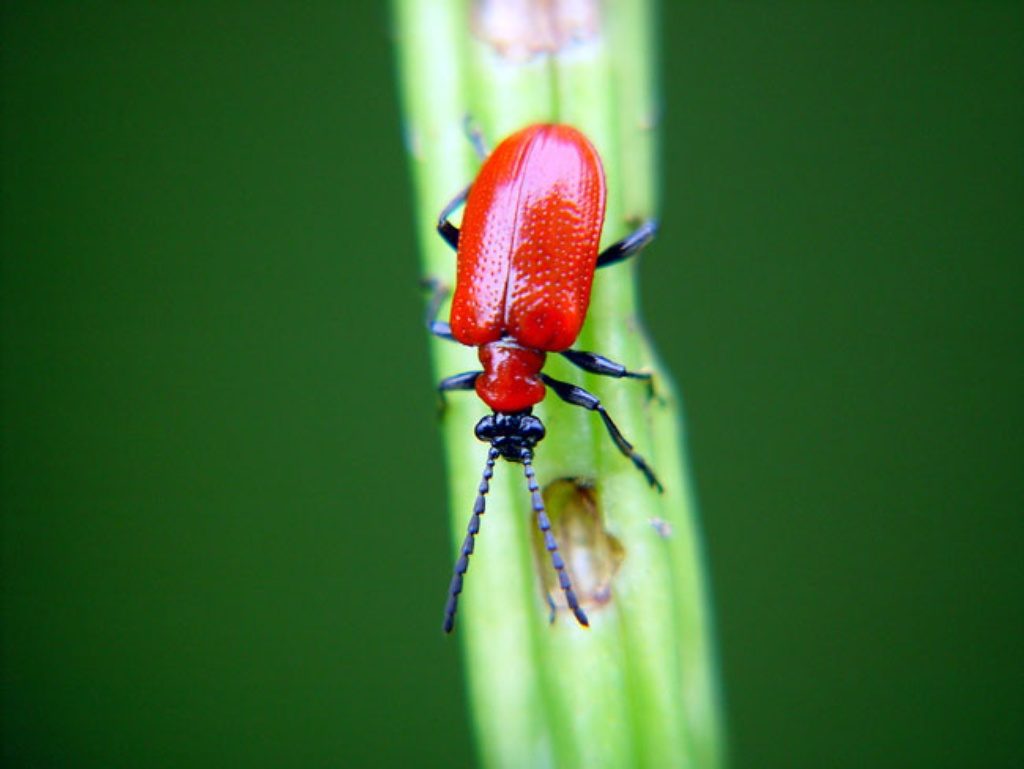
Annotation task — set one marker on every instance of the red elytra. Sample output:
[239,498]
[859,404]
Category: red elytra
[527,251]
[526,258]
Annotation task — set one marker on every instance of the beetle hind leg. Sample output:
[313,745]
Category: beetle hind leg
[631,245]
[445,228]
[475,136]
[438,293]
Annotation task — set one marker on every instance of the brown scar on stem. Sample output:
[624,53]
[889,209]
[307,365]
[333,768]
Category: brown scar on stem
[592,555]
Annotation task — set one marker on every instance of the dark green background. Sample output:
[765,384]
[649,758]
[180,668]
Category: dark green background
[223,532]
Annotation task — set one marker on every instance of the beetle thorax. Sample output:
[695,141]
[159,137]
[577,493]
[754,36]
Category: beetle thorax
[511,379]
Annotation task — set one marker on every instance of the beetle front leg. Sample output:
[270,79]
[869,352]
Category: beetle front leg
[463,381]
[598,364]
[577,396]
[631,245]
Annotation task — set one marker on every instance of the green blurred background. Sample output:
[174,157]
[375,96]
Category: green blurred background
[223,536]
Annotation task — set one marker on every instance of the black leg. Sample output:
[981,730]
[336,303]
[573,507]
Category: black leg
[463,381]
[453,383]
[577,396]
[438,293]
[629,246]
[598,364]
[445,228]
[476,138]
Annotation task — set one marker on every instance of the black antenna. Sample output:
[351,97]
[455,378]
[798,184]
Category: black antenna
[462,564]
[549,539]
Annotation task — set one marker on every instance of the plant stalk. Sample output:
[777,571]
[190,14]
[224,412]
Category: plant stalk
[638,688]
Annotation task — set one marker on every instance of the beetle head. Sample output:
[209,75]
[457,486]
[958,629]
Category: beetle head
[513,435]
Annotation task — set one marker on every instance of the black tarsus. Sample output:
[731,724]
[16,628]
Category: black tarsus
[550,543]
[551,607]
[476,137]
[629,246]
[577,396]
[462,564]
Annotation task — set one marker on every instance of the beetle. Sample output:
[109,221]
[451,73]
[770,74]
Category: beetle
[526,254]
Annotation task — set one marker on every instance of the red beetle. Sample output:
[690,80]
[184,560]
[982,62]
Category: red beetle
[527,252]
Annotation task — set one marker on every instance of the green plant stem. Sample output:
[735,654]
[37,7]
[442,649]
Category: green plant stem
[638,688]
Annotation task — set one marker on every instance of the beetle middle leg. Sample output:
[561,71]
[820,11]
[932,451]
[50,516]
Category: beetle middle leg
[445,228]
[577,396]
[438,293]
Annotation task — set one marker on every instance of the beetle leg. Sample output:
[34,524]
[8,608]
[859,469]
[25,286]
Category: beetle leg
[441,330]
[629,246]
[577,396]
[475,136]
[438,293]
[598,364]
[463,381]
[445,228]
